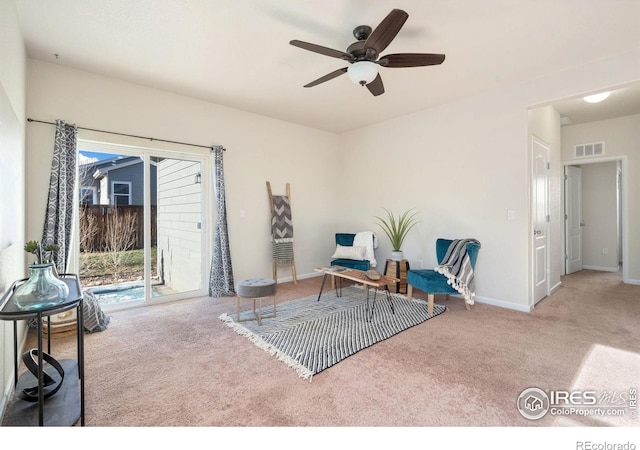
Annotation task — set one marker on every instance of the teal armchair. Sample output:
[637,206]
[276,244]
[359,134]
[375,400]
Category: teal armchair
[434,283]
[346,240]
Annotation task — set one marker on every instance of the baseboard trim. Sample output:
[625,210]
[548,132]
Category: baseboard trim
[555,288]
[8,391]
[9,387]
[299,277]
[485,300]
[503,304]
[632,282]
[602,269]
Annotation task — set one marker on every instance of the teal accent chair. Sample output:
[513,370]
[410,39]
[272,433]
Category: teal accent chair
[346,240]
[434,283]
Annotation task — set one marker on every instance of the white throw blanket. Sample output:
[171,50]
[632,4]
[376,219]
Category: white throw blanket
[456,266]
[369,241]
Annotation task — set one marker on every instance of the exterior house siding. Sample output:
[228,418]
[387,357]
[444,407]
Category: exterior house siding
[125,170]
[179,224]
[130,174]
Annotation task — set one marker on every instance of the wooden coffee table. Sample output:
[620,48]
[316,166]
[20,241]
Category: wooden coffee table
[359,276]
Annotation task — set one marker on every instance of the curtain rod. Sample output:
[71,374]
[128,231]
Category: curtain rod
[129,135]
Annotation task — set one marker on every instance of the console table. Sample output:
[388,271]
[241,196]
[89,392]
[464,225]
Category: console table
[66,406]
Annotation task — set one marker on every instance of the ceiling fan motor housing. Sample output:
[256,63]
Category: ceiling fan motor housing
[360,53]
[362,32]
[357,49]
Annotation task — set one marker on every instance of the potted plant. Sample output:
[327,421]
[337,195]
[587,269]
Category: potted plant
[396,228]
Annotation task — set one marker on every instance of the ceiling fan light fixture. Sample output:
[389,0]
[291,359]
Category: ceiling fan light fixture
[362,72]
[596,98]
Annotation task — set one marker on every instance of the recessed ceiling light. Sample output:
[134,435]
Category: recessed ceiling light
[596,98]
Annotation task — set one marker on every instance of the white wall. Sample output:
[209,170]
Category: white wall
[12,206]
[622,138]
[600,213]
[259,149]
[463,165]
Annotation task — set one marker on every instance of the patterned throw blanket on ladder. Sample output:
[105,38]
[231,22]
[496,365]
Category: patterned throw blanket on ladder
[456,266]
[282,229]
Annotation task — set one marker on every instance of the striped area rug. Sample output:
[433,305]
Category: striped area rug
[311,336]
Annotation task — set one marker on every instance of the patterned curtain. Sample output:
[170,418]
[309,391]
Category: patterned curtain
[221,277]
[62,186]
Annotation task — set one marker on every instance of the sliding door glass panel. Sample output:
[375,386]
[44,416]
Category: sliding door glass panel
[111,213]
[176,226]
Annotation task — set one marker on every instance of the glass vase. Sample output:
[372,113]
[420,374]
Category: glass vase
[41,290]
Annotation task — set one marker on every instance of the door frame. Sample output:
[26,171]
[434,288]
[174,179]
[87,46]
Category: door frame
[146,153]
[625,204]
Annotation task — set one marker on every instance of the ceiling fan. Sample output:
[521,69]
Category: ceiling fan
[364,55]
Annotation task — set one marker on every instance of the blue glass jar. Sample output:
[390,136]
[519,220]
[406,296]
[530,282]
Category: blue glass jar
[41,290]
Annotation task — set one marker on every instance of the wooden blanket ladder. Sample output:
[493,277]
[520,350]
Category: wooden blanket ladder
[282,230]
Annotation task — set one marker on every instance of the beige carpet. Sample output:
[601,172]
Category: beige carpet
[177,364]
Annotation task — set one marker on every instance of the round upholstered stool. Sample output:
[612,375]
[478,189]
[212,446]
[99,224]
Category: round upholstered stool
[257,289]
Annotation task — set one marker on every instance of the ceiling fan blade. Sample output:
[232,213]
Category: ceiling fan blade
[327,77]
[322,50]
[384,33]
[376,87]
[411,59]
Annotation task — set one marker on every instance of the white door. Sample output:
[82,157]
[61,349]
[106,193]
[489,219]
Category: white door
[540,218]
[573,218]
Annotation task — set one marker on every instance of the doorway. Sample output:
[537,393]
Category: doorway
[594,209]
[573,219]
[141,219]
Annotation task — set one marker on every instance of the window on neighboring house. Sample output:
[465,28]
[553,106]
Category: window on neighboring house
[88,195]
[121,193]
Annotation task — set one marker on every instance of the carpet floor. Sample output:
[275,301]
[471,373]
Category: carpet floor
[177,364]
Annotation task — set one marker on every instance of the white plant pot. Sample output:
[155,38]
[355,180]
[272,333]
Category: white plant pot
[397,256]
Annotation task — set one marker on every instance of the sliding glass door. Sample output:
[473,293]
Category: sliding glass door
[142,228]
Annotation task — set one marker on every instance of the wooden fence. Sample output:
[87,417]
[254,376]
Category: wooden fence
[93,225]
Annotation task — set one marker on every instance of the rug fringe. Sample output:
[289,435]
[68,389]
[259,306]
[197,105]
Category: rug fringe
[301,370]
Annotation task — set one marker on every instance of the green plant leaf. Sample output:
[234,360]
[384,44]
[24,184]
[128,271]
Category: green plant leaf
[397,229]
[31,247]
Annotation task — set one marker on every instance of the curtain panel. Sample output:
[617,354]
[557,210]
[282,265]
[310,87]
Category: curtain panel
[62,186]
[221,277]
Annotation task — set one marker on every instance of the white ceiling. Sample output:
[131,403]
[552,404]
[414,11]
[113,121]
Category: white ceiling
[237,52]
[621,102]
